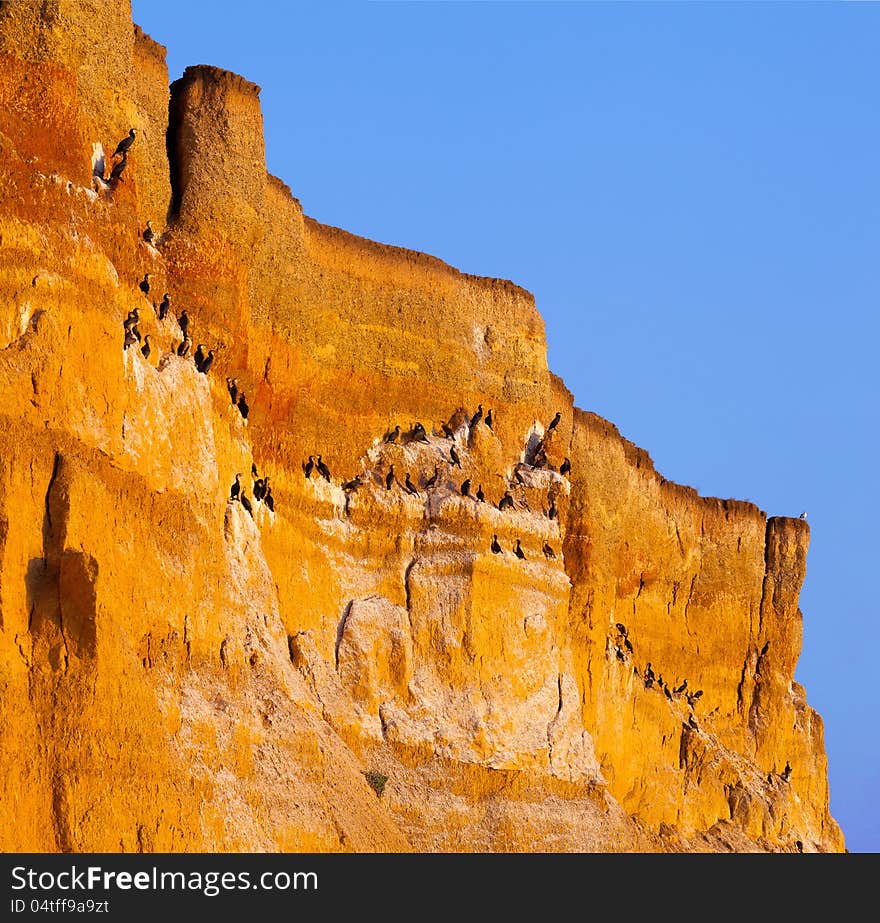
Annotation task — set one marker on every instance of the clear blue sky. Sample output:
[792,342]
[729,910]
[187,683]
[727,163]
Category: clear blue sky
[690,191]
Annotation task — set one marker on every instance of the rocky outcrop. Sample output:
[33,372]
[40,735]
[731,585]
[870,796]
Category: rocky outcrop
[181,674]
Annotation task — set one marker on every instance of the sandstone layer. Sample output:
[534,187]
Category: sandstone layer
[177,673]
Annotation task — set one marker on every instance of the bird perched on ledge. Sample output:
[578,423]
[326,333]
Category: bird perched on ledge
[125,144]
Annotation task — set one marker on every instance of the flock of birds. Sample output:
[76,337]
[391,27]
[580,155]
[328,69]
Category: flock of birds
[261,490]
[418,433]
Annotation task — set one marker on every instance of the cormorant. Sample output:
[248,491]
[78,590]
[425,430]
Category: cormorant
[454,456]
[163,307]
[698,693]
[146,348]
[565,467]
[489,419]
[308,466]
[480,495]
[517,550]
[667,693]
[259,488]
[268,499]
[621,628]
[432,480]
[786,773]
[389,478]
[184,348]
[517,476]
[548,551]
[353,484]
[506,502]
[243,407]
[208,361]
[649,670]
[619,653]
[419,433]
[183,322]
[554,422]
[125,144]
[232,387]
[247,504]
[475,419]
[681,688]
[132,319]
[148,233]
[408,484]
[144,284]
[466,487]
[254,470]
[132,336]
[391,437]
[448,430]
[496,548]
[199,356]
[116,172]
[323,469]
[628,644]
[552,512]
[235,490]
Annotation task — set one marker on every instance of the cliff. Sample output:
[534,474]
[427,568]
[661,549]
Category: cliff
[179,673]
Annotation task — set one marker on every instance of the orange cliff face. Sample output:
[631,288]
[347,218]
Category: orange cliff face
[178,674]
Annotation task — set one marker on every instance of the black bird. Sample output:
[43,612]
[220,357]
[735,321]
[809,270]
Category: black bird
[448,430]
[667,693]
[199,356]
[183,322]
[308,466]
[698,693]
[548,551]
[649,671]
[517,550]
[554,422]
[163,307]
[148,233]
[125,144]
[146,348]
[475,419]
[254,470]
[496,548]
[232,387]
[506,502]
[517,476]
[693,723]
[432,480]
[552,513]
[323,469]
[565,467]
[619,653]
[235,490]
[628,644]
[786,773]
[621,628]
[132,336]
[353,484]
[454,456]
[259,489]
[681,688]
[391,437]
[480,495]
[243,407]
[489,419]
[466,488]
[389,478]
[144,284]
[268,499]
[540,458]
[116,172]
[691,699]
[247,504]
[184,348]
[205,367]
[408,484]
[132,319]
[418,433]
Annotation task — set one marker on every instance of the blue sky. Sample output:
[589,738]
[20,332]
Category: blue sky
[691,192]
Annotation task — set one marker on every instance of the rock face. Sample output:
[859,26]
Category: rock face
[178,673]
